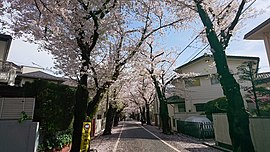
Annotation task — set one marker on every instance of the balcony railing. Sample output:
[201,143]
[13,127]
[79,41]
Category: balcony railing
[5,66]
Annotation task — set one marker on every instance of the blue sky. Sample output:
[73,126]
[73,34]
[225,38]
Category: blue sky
[23,53]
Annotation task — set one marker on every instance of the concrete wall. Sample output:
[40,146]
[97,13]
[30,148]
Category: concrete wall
[221,129]
[260,133]
[18,137]
[259,130]
[100,124]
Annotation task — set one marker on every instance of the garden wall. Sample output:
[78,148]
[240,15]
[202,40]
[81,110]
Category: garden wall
[21,137]
[259,129]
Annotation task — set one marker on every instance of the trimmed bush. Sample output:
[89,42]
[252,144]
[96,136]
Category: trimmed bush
[54,105]
[218,105]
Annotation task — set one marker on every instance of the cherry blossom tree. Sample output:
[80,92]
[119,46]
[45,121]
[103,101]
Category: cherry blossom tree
[142,94]
[70,31]
[147,93]
[114,106]
[155,65]
[90,40]
[115,100]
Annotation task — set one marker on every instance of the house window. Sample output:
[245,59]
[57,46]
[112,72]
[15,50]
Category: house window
[181,107]
[199,107]
[192,82]
[214,79]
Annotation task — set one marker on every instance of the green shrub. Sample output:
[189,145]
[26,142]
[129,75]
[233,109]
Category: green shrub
[218,105]
[57,140]
[54,105]
[265,109]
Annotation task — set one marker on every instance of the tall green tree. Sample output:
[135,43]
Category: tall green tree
[238,118]
[257,90]
[248,73]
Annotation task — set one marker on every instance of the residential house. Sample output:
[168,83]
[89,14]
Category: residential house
[29,74]
[198,83]
[13,77]
[261,32]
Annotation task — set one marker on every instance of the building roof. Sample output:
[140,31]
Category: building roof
[40,75]
[263,77]
[208,55]
[257,32]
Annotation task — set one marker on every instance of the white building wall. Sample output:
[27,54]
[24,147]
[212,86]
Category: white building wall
[206,91]
[28,69]
[201,94]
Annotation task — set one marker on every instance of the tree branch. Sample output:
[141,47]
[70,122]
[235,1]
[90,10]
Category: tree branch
[233,24]
[45,6]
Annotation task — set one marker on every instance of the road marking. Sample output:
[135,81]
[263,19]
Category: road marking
[116,144]
[161,140]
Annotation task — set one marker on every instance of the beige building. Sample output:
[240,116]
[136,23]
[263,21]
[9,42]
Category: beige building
[198,83]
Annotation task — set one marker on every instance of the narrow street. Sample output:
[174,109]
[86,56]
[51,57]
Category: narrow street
[130,136]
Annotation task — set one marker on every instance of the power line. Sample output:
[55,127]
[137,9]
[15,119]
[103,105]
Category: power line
[199,52]
[195,39]
[183,51]
[220,33]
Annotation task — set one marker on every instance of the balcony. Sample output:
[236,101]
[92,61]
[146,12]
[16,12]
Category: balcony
[8,72]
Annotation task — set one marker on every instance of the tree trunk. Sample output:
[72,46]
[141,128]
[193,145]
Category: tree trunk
[116,118]
[92,106]
[164,115]
[109,120]
[143,114]
[148,121]
[79,113]
[237,116]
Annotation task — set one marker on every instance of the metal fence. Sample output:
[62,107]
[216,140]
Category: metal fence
[196,129]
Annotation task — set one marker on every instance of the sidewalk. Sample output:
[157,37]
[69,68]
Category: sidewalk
[105,143]
[181,142]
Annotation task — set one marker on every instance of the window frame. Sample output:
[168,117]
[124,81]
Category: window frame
[214,79]
[192,82]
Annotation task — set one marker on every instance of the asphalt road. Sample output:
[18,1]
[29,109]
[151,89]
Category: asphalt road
[130,136]
[135,138]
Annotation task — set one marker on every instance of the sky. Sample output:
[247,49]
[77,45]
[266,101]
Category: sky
[23,53]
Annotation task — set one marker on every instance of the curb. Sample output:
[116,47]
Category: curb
[217,147]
